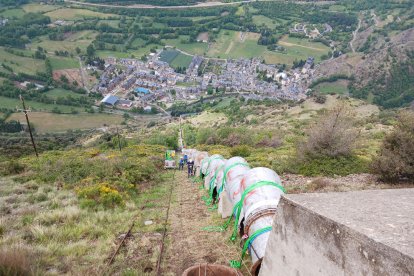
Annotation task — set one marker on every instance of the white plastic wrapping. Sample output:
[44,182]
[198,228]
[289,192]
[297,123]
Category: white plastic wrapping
[233,178]
[213,164]
[198,158]
[260,199]
[264,196]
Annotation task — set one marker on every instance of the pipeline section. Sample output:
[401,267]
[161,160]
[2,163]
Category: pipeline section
[249,195]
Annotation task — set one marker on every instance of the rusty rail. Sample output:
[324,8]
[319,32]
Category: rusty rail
[120,245]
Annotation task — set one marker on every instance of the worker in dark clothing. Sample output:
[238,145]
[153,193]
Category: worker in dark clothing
[190,166]
[185,158]
[181,164]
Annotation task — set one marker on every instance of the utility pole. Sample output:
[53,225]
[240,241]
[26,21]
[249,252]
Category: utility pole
[28,125]
[119,139]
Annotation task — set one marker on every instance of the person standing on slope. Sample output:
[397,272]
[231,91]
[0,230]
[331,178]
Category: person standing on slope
[190,166]
[181,164]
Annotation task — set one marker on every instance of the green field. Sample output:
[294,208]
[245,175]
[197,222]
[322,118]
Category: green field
[261,19]
[338,87]
[337,8]
[181,61]
[129,53]
[80,39]
[34,7]
[196,48]
[59,63]
[296,49]
[76,14]
[22,64]
[175,58]
[168,55]
[12,103]
[112,23]
[230,44]
[138,42]
[11,13]
[49,122]
[60,92]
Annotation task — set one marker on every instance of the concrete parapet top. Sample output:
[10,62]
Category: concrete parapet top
[386,216]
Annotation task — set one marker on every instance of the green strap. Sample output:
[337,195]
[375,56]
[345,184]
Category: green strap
[226,170]
[248,242]
[211,184]
[239,205]
[209,162]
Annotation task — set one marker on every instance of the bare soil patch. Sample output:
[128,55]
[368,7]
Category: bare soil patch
[71,74]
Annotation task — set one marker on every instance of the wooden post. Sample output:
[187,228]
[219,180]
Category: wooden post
[119,139]
[28,125]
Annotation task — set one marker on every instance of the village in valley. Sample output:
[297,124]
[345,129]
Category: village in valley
[128,83]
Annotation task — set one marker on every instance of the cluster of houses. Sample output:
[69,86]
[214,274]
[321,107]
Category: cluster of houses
[300,28]
[128,83]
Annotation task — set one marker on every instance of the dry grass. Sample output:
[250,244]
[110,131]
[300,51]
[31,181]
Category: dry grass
[65,239]
[318,184]
[15,262]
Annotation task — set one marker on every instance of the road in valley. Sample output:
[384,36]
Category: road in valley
[199,5]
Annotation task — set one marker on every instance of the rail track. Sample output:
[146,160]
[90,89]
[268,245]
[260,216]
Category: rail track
[122,243]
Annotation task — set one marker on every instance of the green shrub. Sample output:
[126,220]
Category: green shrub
[396,158]
[100,194]
[330,166]
[85,170]
[332,135]
[242,151]
[41,197]
[11,167]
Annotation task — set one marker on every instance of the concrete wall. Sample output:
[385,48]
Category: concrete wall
[305,243]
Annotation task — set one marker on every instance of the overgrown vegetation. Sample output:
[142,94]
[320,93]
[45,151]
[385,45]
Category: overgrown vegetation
[391,89]
[396,157]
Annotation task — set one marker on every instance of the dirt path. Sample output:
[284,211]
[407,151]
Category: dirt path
[199,5]
[285,43]
[229,48]
[354,36]
[143,6]
[187,244]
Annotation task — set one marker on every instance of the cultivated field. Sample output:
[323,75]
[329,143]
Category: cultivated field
[338,87]
[19,64]
[261,19]
[49,122]
[76,14]
[296,49]
[60,92]
[175,58]
[196,48]
[12,103]
[80,39]
[34,7]
[128,54]
[12,13]
[59,63]
[231,44]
